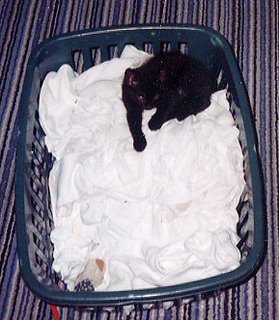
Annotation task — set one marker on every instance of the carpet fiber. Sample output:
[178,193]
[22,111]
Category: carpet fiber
[252,29]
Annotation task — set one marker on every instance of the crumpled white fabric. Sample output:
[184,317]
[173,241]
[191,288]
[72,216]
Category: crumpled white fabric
[163,216]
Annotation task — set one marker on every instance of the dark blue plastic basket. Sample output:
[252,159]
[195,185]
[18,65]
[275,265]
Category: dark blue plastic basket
[33,214]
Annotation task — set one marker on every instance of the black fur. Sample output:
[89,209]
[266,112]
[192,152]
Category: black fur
[175,84]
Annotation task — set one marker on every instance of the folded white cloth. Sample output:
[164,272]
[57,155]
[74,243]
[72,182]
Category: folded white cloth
[163,216]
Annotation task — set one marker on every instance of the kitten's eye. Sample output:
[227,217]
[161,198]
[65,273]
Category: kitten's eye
[133,83]
[131,77]
[141,98]
[156,97]
[181,92]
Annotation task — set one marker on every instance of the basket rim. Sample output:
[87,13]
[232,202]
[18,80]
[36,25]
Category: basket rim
[241,274]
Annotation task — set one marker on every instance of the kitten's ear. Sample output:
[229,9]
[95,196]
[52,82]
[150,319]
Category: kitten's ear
[131,77]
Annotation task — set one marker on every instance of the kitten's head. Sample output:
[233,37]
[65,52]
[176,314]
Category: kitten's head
[145,88]
[138,87]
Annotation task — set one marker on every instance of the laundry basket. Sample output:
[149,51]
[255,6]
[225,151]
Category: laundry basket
[34,220]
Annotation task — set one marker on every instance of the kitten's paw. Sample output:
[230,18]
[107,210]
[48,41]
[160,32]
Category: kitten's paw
[181,117]
[140,144]
[154,124]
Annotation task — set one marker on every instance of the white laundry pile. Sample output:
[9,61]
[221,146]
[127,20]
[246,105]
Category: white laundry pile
[163,216]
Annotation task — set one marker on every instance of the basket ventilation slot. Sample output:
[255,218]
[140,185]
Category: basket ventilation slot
[86,58]
[78,61]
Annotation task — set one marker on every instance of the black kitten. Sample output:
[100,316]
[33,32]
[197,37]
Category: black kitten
[175,84]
